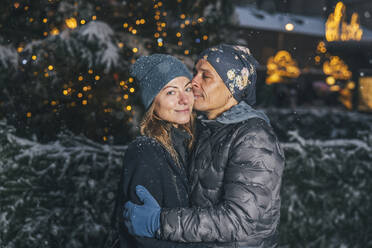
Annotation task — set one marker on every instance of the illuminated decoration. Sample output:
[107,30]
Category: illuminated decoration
[71,23]
[29,114]
[350,85]
[338,29]
[330,80]
[281,65]
[337,68]
[346,97]
[365,94]
[289,27]
[321,48]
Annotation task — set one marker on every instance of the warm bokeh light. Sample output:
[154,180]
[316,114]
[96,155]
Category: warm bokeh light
[71,23]
[337,68]
[281,65]
[330,80]
[336,27]
[289,27]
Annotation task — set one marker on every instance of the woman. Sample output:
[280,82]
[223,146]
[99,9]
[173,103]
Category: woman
[158,158]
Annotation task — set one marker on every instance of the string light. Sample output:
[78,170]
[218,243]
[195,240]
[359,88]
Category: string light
[82,21]
[131,90]
[84,102]
[33,57]
[71,23]
[80,78]
[29,114]
[97,77]
[54,31]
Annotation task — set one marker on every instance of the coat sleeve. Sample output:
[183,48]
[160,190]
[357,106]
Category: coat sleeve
[250,202]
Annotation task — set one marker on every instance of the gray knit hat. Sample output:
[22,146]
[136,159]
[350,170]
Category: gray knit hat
[153,72]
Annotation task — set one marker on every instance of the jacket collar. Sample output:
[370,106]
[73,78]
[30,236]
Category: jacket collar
[238,113]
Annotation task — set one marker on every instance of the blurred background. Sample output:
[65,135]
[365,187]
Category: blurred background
[68,107]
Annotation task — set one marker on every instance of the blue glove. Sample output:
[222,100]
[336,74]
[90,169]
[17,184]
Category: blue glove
[142,220]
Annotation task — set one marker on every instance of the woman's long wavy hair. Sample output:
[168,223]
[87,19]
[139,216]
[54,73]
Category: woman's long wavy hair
[154,127]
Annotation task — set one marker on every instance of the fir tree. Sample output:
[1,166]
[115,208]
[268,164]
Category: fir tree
[64,64]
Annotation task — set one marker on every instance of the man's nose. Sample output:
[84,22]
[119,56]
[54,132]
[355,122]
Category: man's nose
[195,82]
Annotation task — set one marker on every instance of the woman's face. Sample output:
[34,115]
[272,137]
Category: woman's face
[174,102]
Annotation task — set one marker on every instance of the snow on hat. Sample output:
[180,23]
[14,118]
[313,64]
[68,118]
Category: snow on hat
[154,72]
[237,68]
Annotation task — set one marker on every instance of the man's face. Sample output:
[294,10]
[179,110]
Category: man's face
[211,94]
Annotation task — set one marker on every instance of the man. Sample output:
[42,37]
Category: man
[235,168]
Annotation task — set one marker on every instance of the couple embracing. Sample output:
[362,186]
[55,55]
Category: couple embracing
[207,181]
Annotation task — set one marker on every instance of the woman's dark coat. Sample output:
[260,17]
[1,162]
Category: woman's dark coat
[148,163]
[235,175]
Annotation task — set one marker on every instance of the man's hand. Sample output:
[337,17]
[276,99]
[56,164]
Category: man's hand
[142,220]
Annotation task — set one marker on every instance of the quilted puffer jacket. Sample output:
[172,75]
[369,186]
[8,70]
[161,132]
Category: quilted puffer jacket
[235,175]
